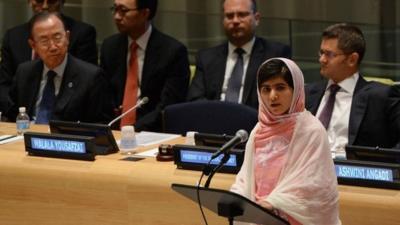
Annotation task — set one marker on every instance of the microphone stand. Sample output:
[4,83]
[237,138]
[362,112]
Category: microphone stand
[143,101]
[211,172]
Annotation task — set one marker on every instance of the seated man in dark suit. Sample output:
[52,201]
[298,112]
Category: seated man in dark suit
[58,85]
[228,71]
[141,61]
[15,48]
[353,110]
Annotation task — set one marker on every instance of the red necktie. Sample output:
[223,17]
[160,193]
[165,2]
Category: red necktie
[131,88]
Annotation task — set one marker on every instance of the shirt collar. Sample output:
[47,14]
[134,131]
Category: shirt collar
[348,84]
[143,39]
[59,69]
[246,47]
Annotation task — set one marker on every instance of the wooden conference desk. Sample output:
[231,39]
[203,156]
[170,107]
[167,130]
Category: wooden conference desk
[36,190]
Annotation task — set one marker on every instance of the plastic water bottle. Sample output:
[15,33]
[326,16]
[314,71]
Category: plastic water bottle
[128,140]
[22,121]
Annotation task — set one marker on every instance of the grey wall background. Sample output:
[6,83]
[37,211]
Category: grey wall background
[197,23]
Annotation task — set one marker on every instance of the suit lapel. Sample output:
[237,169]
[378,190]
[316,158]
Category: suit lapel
[151,57]
[358,108]
[256,59]
[68,85]
[25,54]
[220,65]
[33,82]
[314,96]
[121,61]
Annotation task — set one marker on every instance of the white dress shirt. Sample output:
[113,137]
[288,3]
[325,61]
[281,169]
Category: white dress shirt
[230,64]
[338,130]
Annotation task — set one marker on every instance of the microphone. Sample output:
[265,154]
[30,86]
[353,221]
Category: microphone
[141,102]
[240,136]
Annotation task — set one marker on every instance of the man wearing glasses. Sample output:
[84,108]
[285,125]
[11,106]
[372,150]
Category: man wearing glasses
[143,62]
[227,72]
[15,48]
[58,85]
[353,110]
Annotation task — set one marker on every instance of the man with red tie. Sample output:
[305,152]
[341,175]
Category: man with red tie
[143,62]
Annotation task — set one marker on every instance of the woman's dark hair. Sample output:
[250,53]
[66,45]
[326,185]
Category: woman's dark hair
[274,68]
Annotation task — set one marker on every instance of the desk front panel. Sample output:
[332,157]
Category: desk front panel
[39,190]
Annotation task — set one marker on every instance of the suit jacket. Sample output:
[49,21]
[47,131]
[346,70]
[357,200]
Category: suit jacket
[210,70]
[374,115]
[15,50]
[165,74]
[84,92]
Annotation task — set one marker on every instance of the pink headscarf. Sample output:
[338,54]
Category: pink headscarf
[274,134]
[270,124]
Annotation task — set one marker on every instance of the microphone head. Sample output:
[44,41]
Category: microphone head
[243,135]
[144,100]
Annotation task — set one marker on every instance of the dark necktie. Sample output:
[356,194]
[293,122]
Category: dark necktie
[48,99]
[326,113]
[235,81]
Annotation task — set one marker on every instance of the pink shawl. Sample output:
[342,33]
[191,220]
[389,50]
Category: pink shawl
[274,134]
[296,174]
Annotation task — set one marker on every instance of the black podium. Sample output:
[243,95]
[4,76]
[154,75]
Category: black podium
[230,205]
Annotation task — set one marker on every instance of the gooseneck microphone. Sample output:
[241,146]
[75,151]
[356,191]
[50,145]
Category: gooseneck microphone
[141,102]
[209,170]
[240,137]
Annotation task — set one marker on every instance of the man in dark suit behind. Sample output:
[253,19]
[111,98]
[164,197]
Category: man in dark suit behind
[215,66]
[58,85]
[157,65]
[364,113]
[16,50]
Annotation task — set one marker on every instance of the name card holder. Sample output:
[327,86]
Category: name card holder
[368,174]
[59,146]
[196,157]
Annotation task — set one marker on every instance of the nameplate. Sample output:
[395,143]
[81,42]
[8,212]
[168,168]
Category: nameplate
[366,173]
[59,145]
[196,157]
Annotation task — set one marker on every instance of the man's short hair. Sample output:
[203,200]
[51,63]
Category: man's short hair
[253,5]
[350,38]
[148,4]
[44,15]
[62,1]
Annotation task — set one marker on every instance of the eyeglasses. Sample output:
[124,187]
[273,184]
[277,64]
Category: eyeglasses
[239,15]
[122,10]
[329,54]
[56,39]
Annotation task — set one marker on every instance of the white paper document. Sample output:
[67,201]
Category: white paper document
[4,139]
[150,153]
[145,138]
